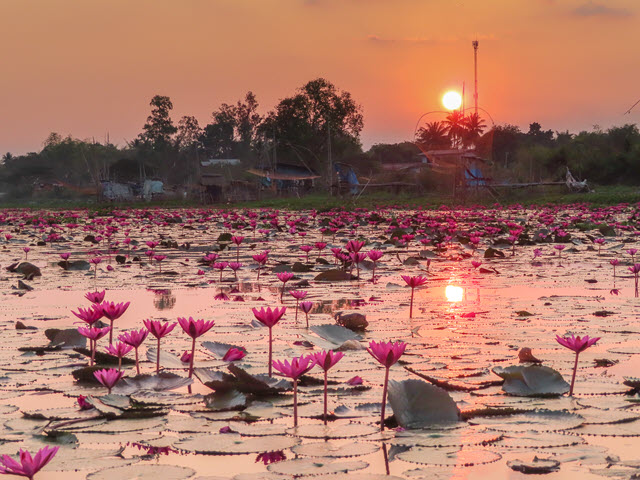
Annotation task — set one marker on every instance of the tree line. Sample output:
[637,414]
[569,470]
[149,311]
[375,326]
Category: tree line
[318,121]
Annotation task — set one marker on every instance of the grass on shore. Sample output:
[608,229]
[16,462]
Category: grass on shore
[601,196]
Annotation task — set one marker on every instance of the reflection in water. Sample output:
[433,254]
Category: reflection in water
[271,457]
[164,299]
[454,293]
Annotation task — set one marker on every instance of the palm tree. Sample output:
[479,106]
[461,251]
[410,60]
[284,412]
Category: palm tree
[473,128]
[455,126]
[433,136]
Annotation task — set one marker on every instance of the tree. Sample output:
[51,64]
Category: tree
[304,124]
[455,127]
[189,133]
[218,137]
[473,127]
[159,128]
[433,136]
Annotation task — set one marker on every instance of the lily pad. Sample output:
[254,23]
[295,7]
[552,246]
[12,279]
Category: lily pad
[417,404]
[231,443]
[532,381]
[144,472]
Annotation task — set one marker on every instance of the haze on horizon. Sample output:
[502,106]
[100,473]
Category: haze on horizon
[91,68]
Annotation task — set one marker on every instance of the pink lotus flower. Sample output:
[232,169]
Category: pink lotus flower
[325,360]
[113,311]
[271,457]
[577,344]
[108,377]
[298,295]
[26,251]
[135,338]
[374,255]
[159,259]
[119,349]
[294,370]
[320,246]
[195,329]
[269,318]
[261,259]
[93,334]
[95,261]
[82,403]
[306,249]
[237,240]
[95,297]
[413,282]
[235,266]
[284,277]
[354,381]
[387,354]
[28,466]
[186,357]
[89,315]
[475,264]
[233,354]
[65,256]
[220,266]
[306,308]
[354,246]
[614,263]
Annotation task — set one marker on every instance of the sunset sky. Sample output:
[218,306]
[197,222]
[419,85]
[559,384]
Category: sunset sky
[88,67]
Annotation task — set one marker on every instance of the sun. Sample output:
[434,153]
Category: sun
[452,100]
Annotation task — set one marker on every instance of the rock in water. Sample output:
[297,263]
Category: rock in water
[353,321]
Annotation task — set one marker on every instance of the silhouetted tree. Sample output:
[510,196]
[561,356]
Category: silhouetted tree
[159,129]
[433,136]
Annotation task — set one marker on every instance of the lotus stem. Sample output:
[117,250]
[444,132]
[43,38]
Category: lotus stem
[573,377]
[384,398]
[325,397]
[297,301]
[137,362]
[295,402]
[411,304]
[270,339]
[158,358]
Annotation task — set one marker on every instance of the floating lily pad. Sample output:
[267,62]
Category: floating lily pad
[449,456]
[306,466]
[158,383]
[539,421]
[232,443]
[446,438]
[349,430]
[417,404]
[532,381]
[144,472]
[335,450]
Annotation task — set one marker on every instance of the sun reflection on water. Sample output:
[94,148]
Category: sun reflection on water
[454,293]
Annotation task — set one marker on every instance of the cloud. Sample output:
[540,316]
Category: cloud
[423,40]
[592,9]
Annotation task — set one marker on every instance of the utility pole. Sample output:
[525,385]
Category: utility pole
[329,159]
[475,71]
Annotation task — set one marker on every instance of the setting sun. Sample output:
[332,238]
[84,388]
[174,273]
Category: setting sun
[451,100]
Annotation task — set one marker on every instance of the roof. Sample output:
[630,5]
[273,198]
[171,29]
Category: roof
[283,176]
[219,162]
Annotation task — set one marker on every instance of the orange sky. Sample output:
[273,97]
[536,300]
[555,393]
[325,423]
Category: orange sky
[87,67]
